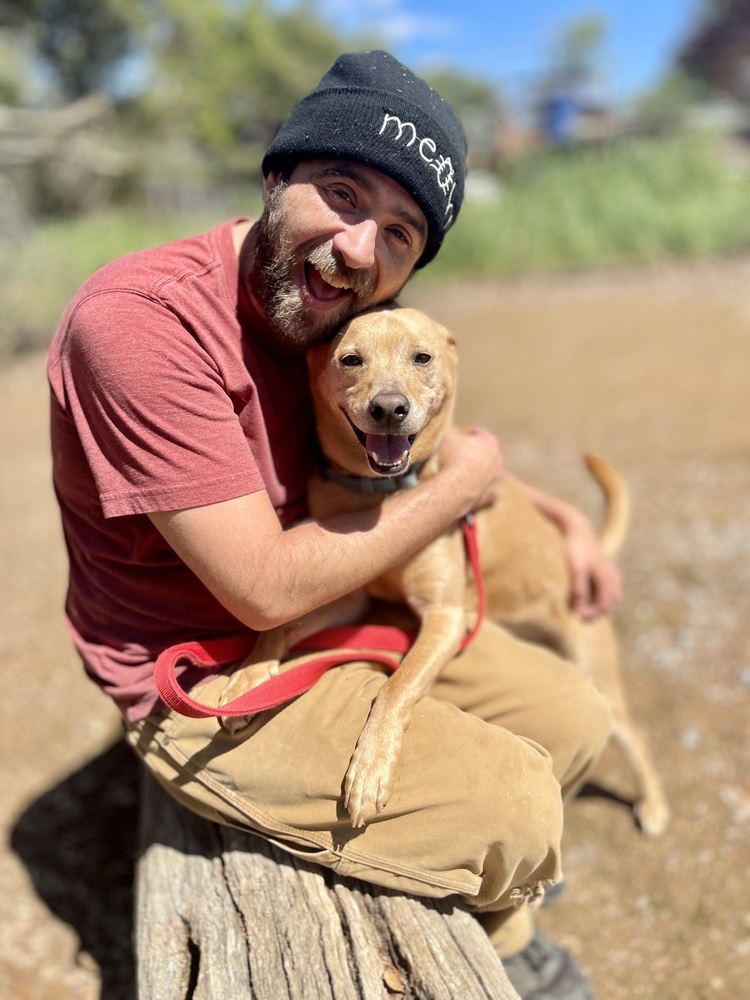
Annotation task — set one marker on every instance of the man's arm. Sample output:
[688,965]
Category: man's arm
[266,576]
[595,582]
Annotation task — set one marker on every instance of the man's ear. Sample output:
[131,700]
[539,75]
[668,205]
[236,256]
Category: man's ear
[270,182]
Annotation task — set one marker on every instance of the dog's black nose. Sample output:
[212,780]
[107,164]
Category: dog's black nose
[389,406]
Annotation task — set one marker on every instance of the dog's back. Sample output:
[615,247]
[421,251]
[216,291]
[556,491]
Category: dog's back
[526,577]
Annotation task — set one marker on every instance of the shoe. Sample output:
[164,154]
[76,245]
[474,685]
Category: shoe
[542,971]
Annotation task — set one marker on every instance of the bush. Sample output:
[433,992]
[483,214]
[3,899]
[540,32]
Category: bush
[628,202]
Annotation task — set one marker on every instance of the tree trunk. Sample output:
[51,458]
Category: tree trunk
[224,915]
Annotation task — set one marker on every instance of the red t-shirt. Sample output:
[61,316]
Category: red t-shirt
[163,399]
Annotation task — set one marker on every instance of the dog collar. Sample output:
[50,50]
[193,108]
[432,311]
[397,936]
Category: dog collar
[372,486]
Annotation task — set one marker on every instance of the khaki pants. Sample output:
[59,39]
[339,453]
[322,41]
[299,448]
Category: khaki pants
[506,732]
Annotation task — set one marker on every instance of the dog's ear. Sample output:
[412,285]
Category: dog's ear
[447,334]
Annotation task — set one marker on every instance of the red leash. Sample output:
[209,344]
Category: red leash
[375,641]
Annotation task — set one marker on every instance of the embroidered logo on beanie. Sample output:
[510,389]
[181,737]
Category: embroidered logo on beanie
[372,109]
[428,151]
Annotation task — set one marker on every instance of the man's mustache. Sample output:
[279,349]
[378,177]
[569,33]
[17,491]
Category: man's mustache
[322,256]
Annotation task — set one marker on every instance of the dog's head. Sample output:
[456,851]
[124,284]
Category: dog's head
[383,391]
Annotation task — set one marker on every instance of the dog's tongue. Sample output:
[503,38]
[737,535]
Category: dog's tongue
[387,449]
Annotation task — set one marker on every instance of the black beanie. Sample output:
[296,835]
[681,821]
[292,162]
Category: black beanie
[371,109]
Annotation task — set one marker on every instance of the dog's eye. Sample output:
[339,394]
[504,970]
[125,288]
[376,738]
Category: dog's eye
[422,359]
[351,360]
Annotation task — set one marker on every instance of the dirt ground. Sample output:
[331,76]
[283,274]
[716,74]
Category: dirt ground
[651,370]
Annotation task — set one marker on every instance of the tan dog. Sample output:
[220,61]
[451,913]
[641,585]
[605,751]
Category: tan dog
[384,390]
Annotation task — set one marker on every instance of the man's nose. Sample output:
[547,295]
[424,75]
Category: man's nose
[356,243]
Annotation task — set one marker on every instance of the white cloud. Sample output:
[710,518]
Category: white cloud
[408,27]
[388,18]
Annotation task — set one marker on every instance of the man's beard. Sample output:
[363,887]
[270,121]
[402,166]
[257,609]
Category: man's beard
[273,280]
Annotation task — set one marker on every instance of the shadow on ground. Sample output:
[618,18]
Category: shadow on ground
[78,842]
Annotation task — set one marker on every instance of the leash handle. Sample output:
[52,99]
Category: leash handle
[374,642]
[221,652]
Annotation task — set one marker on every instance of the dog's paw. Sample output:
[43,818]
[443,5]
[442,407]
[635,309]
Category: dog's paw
[246,678]
[369,781]
[240,682]
[653,815]
[234,723]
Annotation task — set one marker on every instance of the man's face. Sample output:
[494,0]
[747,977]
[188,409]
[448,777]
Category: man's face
[335,239]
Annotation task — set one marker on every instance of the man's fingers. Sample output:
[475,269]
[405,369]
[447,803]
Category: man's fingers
[595,593]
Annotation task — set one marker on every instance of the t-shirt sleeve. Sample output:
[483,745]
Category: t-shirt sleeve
[156,422]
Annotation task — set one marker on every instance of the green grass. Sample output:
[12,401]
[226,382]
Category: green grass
[631,202]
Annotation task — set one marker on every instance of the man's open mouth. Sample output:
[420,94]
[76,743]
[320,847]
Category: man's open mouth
[387,454]
[326,288]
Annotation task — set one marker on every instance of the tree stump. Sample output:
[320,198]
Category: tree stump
[224,915]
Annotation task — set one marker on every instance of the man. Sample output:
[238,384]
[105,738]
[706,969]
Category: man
[181,434]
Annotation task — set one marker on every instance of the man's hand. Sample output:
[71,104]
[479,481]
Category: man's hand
[475,455]
[595,582]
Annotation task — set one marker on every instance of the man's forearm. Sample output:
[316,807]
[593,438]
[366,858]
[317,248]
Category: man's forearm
[323,560]
[266,576]
[562,514]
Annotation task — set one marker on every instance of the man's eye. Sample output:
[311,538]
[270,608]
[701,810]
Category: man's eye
[422,359]
[401,235]
[351,361]
[341,193]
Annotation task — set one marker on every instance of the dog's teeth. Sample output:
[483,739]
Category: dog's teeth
[390,465]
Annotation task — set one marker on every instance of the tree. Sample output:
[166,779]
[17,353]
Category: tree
[81,42]
[480,108]
[230,72]
[719,51]
[577,50]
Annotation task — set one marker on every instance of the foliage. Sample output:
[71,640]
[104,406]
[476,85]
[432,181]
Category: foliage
[663,106]
[478,104]
[226,73]
[199,87]
[80,41]
[577,48]
[215,70]
[714,10]
[633,202]
[463,92]
[638,202]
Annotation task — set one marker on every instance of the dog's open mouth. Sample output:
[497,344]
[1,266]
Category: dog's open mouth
[388,454]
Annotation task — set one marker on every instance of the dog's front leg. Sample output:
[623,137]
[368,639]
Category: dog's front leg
[371,774]
[265,659]
[263,663]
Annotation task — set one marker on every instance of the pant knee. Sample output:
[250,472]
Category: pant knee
[580,732]
[522,824]
[597,720]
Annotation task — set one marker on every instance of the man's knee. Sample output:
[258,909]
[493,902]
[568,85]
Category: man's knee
[585,714]
[504,784]
[579,728]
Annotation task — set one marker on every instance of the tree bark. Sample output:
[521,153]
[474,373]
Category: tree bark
[224,915]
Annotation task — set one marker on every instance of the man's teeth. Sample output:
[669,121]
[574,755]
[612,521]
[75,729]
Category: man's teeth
[335,280]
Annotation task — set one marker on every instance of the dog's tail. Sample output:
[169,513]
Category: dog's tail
[617,504]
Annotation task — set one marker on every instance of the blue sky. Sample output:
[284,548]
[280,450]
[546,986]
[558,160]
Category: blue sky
[509,40]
